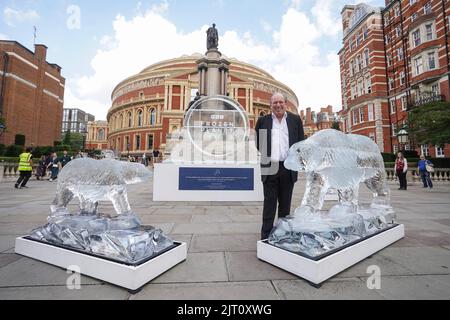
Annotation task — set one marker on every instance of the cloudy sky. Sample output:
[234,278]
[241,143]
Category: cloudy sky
[99,43]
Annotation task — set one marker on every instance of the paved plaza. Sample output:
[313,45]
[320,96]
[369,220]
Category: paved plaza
[222,262]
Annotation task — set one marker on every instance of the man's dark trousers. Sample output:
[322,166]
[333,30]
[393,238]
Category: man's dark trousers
[23,178]
[276,187]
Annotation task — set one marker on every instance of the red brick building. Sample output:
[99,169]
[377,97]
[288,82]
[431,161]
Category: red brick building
[316,121]
[393,59]
[31,95]
[151,104]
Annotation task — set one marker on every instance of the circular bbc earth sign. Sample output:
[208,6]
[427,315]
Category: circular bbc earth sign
[217,125]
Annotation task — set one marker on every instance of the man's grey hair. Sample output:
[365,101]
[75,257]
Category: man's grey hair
[279,93]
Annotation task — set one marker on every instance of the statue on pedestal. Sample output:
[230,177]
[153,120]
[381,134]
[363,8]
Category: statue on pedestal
[212,41]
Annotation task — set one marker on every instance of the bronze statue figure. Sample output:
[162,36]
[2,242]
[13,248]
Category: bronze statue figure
[212,41]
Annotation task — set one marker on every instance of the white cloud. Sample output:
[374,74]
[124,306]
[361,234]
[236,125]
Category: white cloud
[265,25]
[292,58]
[327,23]
[13,16]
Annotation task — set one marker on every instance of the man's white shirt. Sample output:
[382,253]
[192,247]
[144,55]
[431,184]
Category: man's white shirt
[280,139]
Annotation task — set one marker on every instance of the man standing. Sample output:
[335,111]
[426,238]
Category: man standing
[25,168]
[275,134]
[65,159]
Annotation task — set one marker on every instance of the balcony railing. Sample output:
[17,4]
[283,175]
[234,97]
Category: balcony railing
[427,98]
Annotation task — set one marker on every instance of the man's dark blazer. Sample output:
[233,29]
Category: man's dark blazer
[296,134]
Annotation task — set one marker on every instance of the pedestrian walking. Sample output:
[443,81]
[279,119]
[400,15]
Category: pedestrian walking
[425,167]
[65,159]
[54,167]
[25,168]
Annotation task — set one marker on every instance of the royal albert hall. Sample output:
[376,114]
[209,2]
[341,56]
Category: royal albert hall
[149,106]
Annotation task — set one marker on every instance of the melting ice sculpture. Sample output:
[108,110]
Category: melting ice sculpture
[338,161]
[121,237]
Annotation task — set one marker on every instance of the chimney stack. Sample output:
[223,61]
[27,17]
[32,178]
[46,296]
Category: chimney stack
[40,51]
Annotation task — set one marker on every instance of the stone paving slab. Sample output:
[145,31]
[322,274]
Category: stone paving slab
[28,272]
[86,292]
[244,266]
[429,287]
[7,242]
[196,228]
[198,267]
[253,290]
[235,242]
[346,289]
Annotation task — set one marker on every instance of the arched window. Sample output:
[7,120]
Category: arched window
[121,121]
[366,57]
[101,134]
[140,118]
[152,119]
[130,119]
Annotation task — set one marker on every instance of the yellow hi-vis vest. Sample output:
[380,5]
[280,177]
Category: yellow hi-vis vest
[24,162]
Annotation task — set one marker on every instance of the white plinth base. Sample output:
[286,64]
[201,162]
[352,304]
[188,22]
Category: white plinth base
[319,271]
[166,188]
[130,277]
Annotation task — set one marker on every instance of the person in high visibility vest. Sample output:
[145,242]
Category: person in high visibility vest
[25,168]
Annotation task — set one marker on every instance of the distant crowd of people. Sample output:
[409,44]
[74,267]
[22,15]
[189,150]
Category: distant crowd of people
[50,164]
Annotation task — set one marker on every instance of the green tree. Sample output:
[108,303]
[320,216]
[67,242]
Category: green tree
[74,140]
[430,123]
[335,125]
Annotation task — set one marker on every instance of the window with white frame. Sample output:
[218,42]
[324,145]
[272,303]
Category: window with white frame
[368,84]
[370,112]
[361,114]
[387,38]
[360,87]
[150,142]
[355,117]
[411,2]
[398,31]
[391,83]
[140,113]
[400,55]
[353,91]
[404,103]
[392,105]
[394,129]
[395,148]
[414,16]
[435,88]
[351,67]
[425,150]
[429,31]
[416,37]
[431,60]
[366,57]
[402,78]
[357,63]
[397,11]
[427,8]
[439,152]
[349,125]
[365,32]
[418,66]
[389,60]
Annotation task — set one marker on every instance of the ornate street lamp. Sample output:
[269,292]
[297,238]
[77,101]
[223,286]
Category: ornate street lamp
[402,137]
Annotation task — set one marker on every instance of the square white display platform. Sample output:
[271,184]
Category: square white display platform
[166,184]
[318,271]
[130,277]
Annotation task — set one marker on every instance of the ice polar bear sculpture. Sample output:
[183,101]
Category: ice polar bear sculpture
[334,160]
[95,180]
[123,237]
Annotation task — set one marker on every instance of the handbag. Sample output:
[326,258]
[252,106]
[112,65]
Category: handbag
[429,168]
